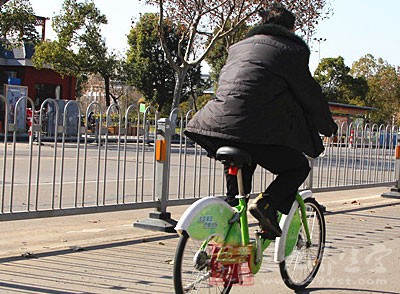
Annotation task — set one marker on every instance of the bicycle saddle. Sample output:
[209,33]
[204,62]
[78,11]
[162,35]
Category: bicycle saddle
[233,156]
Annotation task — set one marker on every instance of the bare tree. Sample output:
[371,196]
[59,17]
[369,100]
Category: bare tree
[204,22]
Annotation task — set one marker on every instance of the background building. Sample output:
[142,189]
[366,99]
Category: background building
[16,68]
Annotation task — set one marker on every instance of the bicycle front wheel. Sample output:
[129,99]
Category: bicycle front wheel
[302,262]
[192,268]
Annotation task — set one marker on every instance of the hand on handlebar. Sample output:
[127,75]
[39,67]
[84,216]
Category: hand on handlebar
[330,131]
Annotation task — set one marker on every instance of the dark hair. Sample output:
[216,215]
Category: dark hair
[279,15]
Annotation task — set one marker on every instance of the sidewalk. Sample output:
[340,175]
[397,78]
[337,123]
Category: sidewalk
[103,253]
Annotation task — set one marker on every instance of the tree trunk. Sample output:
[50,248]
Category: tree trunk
[107,90]
[180,80]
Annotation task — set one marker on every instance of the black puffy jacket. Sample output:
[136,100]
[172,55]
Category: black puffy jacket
[266,95]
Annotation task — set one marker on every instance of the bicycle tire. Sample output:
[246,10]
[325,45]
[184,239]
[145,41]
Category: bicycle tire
[189,279]
[302,263]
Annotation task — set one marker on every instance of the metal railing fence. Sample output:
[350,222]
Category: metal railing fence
[71,161]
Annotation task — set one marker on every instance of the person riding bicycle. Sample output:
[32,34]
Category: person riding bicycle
[268,104]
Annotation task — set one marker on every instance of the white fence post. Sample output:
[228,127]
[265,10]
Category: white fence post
[395,191]
[160,220]
[309,179]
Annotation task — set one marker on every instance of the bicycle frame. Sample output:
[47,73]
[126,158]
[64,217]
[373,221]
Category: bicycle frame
[300,201]
[211,218]
[260,244]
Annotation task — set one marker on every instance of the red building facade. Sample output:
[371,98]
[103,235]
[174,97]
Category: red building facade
[42,84]
[16,67]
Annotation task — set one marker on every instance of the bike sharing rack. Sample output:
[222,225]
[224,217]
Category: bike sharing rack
[160,220]
[395,191]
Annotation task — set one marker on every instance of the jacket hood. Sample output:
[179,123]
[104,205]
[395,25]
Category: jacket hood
[278,31]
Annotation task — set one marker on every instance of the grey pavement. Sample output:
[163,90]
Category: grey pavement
[103,253]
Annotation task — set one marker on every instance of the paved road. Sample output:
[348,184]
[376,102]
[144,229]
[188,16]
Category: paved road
[102,253]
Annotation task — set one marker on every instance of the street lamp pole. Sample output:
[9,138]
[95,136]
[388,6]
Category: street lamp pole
[319,40]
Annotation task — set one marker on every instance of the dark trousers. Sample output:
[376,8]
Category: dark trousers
[290,166]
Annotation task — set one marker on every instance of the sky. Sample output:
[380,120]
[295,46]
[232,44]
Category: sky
[356,28]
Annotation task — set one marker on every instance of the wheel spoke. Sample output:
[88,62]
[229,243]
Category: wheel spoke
[192,269]
[195,282]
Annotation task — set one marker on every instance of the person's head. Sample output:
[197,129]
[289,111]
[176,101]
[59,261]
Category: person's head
[279,15]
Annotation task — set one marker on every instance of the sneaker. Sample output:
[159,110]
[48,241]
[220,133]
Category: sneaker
[267,217]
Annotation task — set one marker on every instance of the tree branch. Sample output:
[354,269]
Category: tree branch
[162,39]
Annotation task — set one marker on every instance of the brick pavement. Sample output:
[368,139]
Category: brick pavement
[103,253]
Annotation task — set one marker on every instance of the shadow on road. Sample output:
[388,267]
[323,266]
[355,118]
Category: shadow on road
[346,290]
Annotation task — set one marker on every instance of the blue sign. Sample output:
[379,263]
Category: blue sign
[14,81]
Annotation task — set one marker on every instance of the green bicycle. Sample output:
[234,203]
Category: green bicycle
[215,251]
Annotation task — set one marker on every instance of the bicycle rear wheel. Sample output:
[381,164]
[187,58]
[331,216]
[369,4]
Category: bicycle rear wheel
[301,263]
[192,269]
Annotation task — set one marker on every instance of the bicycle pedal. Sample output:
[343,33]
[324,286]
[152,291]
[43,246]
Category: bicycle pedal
[234,218]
